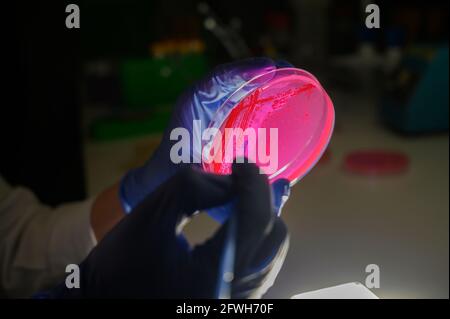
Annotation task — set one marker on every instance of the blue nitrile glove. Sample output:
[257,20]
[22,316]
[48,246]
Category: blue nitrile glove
[199,102]
[146,256]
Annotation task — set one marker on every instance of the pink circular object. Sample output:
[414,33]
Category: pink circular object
[290,100]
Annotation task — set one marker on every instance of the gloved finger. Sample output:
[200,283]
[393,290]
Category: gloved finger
[252,206]
[183,194]
[253,211]
[250,282]
[259,238]
[216,87]
[204,262]
[280,194]
[259,276]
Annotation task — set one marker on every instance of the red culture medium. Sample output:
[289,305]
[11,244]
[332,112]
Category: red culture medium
[290,100]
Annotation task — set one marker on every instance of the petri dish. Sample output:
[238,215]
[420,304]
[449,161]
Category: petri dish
[281,120]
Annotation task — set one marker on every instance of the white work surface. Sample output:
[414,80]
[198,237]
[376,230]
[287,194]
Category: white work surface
[339,223]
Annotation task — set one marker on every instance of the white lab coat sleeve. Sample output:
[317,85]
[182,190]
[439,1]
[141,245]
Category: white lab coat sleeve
[37,242]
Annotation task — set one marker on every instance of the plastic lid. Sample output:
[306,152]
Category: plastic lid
[289,100]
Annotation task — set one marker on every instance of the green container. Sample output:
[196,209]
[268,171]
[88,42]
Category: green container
[159,81]
[150,88]
[117,127]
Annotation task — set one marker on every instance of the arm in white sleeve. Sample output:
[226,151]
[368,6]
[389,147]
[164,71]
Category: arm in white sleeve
[37,242]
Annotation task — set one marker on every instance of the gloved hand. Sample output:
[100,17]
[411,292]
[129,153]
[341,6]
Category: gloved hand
[200,102]
[145,256]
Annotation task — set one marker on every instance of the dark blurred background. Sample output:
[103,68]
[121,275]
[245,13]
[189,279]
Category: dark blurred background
[81,106]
